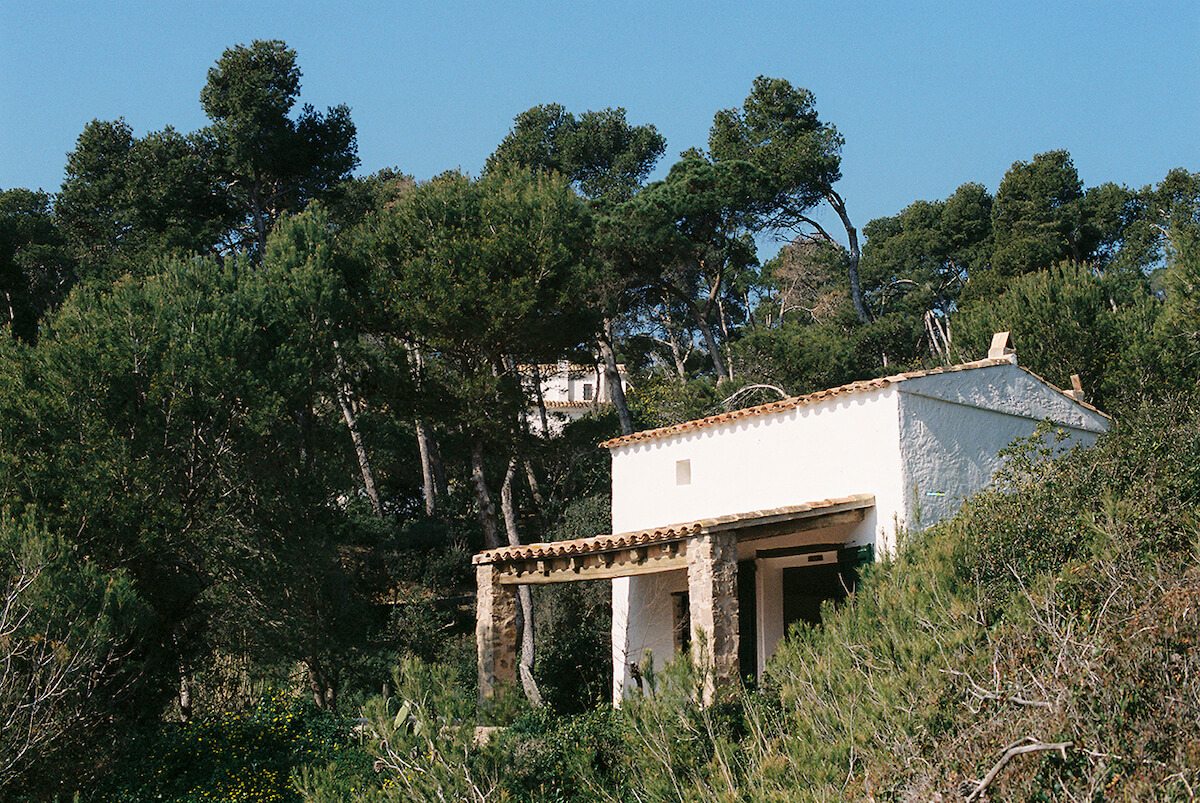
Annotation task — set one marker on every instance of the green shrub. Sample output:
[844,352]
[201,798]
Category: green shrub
[246,758]
[69,662]
[1044,512]
[573,663]
[566,758]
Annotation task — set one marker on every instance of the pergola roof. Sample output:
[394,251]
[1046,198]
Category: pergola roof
[627,553]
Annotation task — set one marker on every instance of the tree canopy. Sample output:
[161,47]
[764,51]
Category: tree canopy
[600,153]
[236,371]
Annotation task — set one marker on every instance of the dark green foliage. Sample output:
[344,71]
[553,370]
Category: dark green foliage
[269,162]
[573,663]
[598,152]
[1178,198]
[1069,320]
[358,197]
[128,202]
[1039,215]
[479,272]
[423,578]
[1045,513]
[779,131]
[681,240]
[249,757]
[69,634]
[662,402]
[562,759]
[798,359]
[35,268]
[577,478]
[921,259]
[804,359]
[174,426]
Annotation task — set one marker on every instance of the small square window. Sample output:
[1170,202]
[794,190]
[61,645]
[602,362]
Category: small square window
[587,391]
[683,472]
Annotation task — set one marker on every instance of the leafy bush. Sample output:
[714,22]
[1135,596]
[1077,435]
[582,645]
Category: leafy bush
[1044,512]
[67,631]
[566,758]
[573,663]
[246,758]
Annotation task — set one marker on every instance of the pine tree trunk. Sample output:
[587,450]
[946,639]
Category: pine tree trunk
[427,473]
[364,464]
[322,685]
[525,668]
[612,375]
[534,487]
[433,477]
[673,342]
[435,461]
[483,498]
[710,339]
[725,335]
[855,254]
[541,400]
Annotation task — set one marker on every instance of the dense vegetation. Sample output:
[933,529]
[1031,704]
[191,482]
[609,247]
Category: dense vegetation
[256,413]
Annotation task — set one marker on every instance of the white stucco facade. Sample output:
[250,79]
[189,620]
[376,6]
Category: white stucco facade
[569,392]
[919,443]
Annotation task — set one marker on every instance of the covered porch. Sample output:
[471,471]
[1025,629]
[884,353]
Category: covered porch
[724,588]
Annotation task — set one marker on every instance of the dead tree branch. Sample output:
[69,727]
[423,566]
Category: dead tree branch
[1020,747]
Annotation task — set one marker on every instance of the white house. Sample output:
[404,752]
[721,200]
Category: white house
[568,391]
[732,527]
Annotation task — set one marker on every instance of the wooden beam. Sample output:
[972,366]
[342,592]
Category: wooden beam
[863,502]
[797,526]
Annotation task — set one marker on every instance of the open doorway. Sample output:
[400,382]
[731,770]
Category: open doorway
[781,587]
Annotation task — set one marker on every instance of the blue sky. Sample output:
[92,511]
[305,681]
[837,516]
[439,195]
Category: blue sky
[928,95]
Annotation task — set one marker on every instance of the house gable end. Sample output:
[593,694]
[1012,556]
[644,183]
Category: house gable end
[1009,390]
[954,427]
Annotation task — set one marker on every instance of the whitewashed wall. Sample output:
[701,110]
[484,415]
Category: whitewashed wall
[644,623]
[841,446]
[953,426]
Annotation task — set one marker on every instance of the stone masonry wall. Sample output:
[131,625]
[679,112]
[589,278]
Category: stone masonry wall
[713,605]
[495,632]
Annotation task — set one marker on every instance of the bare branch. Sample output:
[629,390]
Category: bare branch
[1020,747]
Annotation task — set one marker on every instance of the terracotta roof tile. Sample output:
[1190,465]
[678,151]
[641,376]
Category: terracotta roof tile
[574,404]
[793,402]
[674,532]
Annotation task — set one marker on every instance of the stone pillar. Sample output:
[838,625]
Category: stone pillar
[713,605]
[495,632]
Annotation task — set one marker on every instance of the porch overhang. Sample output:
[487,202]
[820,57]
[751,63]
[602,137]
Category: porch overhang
[661,549]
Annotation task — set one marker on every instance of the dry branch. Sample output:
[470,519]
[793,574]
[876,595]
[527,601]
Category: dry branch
[1026,745]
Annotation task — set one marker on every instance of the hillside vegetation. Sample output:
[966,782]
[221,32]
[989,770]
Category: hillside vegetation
[1041,645]
[257,412]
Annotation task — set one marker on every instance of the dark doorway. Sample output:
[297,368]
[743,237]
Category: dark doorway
[747,623]
[806,587]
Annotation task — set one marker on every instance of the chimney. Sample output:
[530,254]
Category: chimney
[1076,391]
[1000,350]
